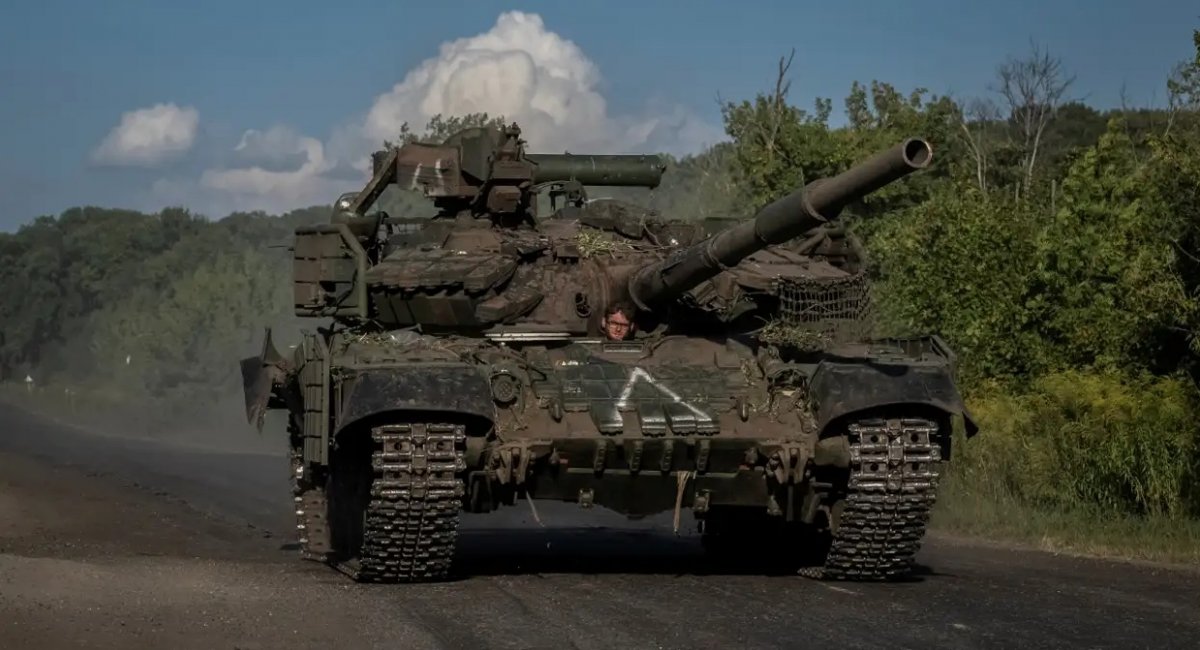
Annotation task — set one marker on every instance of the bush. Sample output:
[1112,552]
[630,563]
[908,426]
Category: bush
[1089,441]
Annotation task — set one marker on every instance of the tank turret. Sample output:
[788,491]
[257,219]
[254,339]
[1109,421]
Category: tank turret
[809,207]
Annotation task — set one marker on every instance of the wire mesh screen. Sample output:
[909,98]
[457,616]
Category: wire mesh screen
[815,313]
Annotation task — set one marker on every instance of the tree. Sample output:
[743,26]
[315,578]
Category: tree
[1033,89]
[1107,263]
[1183,87]
[977,121]
[441,127]
[964,268]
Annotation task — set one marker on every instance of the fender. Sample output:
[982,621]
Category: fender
[436,387]
[262,382]
[845,386]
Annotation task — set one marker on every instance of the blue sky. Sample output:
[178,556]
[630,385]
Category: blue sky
[272,104]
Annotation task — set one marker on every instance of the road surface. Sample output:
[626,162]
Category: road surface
[119,543]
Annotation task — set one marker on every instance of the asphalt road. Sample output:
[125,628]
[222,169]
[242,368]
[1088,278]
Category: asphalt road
[108,542]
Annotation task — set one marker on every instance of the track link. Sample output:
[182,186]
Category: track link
[311,509]
[411,521]
[894,466]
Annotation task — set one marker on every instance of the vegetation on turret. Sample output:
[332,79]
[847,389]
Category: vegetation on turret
[592,243]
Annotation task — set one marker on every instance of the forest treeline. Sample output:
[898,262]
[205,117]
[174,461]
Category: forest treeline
[1054,245]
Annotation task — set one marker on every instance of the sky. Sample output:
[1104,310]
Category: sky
[269,105]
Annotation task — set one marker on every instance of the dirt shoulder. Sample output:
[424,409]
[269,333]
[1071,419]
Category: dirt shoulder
[85,562]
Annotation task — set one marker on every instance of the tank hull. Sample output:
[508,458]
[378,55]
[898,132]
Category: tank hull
[393,437]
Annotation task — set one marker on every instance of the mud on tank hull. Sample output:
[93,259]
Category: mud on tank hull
[830,466]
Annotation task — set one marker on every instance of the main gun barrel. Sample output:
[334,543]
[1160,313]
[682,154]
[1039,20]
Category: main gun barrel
[787,218]
[614,170]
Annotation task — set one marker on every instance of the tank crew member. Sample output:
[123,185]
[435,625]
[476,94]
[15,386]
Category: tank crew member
[618,322]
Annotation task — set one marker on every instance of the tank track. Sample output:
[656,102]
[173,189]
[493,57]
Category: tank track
[311,507]
[411,521]
[894,469]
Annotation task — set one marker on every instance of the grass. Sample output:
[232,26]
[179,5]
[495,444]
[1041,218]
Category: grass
[592,243]
[961,512]
[794,337]
[1083,462]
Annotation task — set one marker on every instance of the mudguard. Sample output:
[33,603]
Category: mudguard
[844,386]
[260,377]
[427,387]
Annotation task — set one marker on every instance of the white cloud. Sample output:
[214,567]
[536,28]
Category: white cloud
[278,148]
[517,69]
[149,136]
[534,77]
[265,187]
[273,170]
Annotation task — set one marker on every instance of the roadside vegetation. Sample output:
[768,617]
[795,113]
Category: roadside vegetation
[1054,245]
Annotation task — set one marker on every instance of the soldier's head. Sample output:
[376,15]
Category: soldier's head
[618,322]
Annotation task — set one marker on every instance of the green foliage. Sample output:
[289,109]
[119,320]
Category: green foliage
[1108,272]
[1184,86]
[59,270]
[144,309]
[595,243]
[779,148]
[786,335]
[1098,282]
[964,267]
[439,127]
[175,338]
[1087,440]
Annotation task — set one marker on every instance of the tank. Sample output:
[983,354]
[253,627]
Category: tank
[724,373]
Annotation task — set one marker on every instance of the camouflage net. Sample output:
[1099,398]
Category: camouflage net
[815,313]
